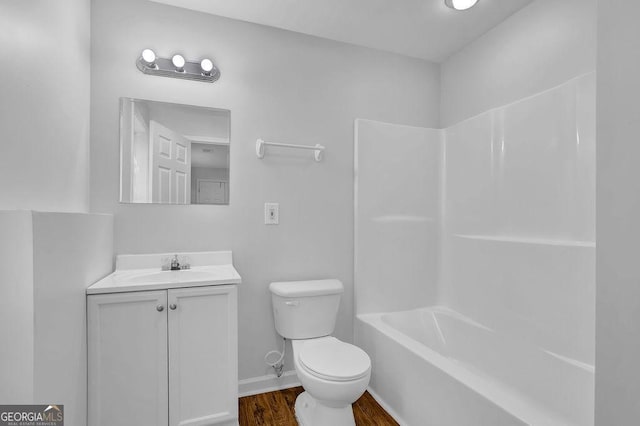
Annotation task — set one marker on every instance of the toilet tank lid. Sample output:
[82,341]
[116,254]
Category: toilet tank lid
[306,288]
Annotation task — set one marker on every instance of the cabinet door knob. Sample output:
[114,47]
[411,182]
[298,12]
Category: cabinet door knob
[160,308]
[173,306]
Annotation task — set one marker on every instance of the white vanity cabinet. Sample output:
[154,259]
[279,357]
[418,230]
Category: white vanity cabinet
[163,357]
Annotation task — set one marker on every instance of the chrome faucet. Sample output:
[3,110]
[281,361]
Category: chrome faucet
[175,264]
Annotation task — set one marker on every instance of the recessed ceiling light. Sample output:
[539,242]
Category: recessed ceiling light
[460,4]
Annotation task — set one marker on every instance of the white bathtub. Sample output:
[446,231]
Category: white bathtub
[433,366]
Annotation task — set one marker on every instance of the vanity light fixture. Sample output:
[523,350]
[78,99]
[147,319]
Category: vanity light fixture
[460,4]
[178,62]
[148,57]
[178,67]
[207,66]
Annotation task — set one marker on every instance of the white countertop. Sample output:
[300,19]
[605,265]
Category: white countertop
[211,268]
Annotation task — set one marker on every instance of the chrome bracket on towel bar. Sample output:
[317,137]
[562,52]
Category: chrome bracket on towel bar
[318,150]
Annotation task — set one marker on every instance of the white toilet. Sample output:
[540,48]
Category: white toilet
[334,374]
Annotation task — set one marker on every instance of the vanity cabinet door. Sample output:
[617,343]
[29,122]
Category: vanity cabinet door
[127,345]
[203,356]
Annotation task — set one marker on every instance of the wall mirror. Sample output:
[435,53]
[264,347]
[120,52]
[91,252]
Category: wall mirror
[173,154]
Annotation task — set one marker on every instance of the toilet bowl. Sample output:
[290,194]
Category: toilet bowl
[334,374]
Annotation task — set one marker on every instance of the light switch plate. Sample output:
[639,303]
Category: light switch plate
[271,213]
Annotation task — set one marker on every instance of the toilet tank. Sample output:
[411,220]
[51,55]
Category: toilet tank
[305,309]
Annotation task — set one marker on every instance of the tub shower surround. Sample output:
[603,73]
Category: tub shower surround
[503,320]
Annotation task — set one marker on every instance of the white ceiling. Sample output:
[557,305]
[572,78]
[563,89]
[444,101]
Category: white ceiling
[420,28]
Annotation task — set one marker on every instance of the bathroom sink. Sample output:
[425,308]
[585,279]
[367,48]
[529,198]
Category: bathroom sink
[136,274]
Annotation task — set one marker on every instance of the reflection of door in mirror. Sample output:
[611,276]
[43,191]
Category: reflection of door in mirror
[170,166]
[165,148]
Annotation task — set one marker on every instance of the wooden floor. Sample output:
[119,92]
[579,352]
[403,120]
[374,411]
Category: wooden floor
[276,408]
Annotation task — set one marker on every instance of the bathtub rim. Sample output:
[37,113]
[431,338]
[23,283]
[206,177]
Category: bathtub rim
[501,396]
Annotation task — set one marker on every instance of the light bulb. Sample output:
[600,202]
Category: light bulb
[461,4]
[207,66]
[148,57]
[178,62]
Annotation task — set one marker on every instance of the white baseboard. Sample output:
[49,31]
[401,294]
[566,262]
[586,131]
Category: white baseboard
[268,383]
[386,407]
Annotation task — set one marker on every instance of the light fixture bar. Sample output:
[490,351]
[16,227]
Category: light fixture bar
[170,67]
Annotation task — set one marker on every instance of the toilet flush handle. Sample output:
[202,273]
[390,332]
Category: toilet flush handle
[291,303]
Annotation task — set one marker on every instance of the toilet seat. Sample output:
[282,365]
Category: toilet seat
[331,359]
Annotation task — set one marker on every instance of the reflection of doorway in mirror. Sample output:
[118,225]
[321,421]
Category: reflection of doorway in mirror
[165,148]
[211,192]
[209,172]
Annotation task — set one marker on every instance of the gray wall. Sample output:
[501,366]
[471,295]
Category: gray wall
[539,47]
[70,252]
[280,86]
[47,262]
[44,105]
[16,307]
[618,210]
